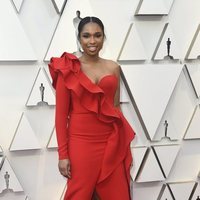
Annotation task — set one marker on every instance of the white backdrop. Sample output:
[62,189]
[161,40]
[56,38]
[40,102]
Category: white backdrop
[163,94]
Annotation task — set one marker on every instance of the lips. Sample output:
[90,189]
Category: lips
[92,48]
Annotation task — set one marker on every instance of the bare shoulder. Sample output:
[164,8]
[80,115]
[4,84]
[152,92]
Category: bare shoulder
[112,66]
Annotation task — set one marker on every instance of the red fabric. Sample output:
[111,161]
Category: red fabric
[76,94]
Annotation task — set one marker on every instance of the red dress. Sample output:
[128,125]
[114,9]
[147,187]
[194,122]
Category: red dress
[91,132]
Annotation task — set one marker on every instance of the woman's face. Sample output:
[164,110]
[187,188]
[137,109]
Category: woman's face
[91,38]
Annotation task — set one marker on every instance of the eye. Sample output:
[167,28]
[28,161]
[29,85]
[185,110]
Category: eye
[98,35]
[85,36]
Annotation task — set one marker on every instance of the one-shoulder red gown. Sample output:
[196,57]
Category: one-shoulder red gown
[91,132]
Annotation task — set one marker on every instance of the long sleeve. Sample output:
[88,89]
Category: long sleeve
[61,117]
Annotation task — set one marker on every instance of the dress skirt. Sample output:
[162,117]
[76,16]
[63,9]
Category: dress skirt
[87,142]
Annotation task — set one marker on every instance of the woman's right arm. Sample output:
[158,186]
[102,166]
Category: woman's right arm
[61,120]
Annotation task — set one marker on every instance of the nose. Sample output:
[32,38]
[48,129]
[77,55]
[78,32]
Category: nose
[92,40]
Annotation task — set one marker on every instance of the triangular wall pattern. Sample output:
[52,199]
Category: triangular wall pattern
[59,4]
[194,74]
[1,150]
[166,130]
[138,157]
[166,163]
[52,143]
[194,48]
[165,194]
[150,171]
[63,193]
[15,45]
[14,183]
[196,192]
[1,161]
[178,112]
[64,38]
[154,102]
[160,51]
[182,190]
[132,49]
[35,97]
[18,4]
[154,7]
[24,138]
[124,98]
[193,129]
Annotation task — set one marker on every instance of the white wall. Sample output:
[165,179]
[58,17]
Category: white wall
[37,170]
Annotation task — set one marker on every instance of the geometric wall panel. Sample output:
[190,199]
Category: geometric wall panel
[196,193]
[24,138]
[154,7]
[1,157]
[138,155]
[41,95]
[132,49]
[15,45]
[1,150]
[166,129]
[194,48]
[182,190]
[193,129]
[150,170]
[166,162]
[8,178]
[52,143]
[124,98]
[161,50]
[194,74]
[1,161]
[165,193]
[63,193]
[18,4]
[178,112]
[64,38]
[151,97]
[146,191]
[59,5]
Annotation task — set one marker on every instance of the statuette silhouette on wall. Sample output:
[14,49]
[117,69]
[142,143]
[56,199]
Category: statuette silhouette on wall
[168,56]
[42,102]
[76,22]
[7,177]
[198,198]
[166,129]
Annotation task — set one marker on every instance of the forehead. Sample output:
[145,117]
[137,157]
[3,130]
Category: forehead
[91,27]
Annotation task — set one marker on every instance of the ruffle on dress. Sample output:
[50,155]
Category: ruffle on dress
[92,98]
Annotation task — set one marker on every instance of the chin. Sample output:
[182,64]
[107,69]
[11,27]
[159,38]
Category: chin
[93,53]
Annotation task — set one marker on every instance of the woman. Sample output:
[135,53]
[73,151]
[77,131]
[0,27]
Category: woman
[93,135]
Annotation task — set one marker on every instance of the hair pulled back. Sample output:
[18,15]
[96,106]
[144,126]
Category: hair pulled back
[87,20]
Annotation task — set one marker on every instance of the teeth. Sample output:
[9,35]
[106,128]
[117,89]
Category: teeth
[92,48]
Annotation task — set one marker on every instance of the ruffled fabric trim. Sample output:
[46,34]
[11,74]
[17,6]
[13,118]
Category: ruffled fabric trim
[92,97]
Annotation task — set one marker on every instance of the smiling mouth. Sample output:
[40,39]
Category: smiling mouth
[92,48]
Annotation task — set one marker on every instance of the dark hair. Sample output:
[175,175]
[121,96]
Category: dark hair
[87,20]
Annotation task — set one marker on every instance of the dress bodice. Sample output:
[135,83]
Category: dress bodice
[107,83]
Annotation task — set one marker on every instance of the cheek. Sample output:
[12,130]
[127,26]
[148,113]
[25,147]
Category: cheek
[101,42]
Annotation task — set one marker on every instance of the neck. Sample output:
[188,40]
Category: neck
[88,58]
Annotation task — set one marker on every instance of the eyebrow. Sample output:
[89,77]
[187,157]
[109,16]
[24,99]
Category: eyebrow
[90,33]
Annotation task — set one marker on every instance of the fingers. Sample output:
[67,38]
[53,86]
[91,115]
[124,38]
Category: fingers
[69,171]
[65,170]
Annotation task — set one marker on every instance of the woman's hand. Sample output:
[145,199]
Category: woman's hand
[65,168]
